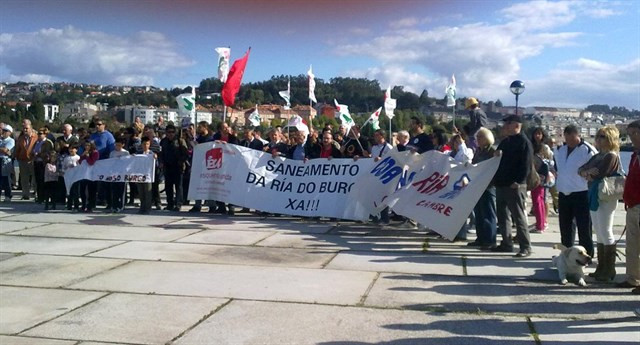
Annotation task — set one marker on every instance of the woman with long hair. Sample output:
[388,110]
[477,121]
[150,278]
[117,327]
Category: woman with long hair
[606,163]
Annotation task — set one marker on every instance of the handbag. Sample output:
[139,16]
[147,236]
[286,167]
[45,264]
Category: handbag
[611,188]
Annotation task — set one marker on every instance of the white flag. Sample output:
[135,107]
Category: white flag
[286,95]
[223,63]
[254,117]
[374,119]
[451,92]
[345,116]
[187,104]
[298,123]
[389,103]
[312,85]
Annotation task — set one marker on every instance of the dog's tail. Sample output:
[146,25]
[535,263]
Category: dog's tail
[559,247]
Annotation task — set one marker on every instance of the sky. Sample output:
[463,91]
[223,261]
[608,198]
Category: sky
[568,53]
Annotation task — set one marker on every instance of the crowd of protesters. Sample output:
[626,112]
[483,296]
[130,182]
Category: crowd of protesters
[561,180]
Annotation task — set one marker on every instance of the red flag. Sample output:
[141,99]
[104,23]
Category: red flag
[232,86]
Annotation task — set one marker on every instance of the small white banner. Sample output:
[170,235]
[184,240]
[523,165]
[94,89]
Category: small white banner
[134,168]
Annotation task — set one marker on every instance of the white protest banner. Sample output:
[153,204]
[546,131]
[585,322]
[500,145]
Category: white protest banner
[135,168]
[392,172]
[253,179]
[443,194]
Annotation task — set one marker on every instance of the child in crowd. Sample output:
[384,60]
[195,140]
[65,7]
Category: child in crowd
[144,189]
[50,181]
[88,189]
[71,161]
[118,188]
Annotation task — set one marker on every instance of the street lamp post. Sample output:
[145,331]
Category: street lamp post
[517,88]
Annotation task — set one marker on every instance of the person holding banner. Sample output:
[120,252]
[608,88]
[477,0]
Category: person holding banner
[297,150]
[485,209]
[225,135]
[403,140]
[145,189]
[326,149]
[511,186]
[355,146]
[204,135]
[88,189]
[477,119]
[118,188]
[378,150]
[173,158]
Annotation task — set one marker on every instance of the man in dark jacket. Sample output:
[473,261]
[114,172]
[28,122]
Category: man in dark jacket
[173,158]
[511,186]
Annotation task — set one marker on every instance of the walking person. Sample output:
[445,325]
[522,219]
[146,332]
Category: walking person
[511,186]
[573,201]
[604,164]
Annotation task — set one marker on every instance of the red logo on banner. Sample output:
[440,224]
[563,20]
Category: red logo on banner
[213,159]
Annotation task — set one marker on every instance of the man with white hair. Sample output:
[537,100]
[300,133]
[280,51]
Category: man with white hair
[65,140]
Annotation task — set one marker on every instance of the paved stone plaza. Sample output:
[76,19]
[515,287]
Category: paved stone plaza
[180,278]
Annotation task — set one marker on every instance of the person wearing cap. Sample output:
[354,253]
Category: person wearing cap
[477,120]
[6,149]
[511,186]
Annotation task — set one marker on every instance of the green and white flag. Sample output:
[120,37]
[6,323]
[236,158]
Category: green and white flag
[254,117]
[451,92]
[374,119]
[187,104]
[286,95]
[345,116]
[223,63]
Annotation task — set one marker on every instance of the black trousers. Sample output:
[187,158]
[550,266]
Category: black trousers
[173,182]
[575,206]
[117,190]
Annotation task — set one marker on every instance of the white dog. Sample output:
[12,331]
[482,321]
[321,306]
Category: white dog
[571,263]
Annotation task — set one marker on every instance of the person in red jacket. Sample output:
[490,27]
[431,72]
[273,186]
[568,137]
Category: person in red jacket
[631,199]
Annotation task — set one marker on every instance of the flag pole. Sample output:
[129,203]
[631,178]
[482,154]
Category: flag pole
[224,114]
[390,133]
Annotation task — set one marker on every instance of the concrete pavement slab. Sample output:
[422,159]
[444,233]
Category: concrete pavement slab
[226,237]
[615,331]
[47,245]
[465,294]
[10,340]
[9,226]
[52,271]
[270,224]
[106,232]
[143,319]
[506,266]
[230,281]
[98,217]
[22,308]
[335,242]
[394,262]
[209,253]
[250,322]
[5,256]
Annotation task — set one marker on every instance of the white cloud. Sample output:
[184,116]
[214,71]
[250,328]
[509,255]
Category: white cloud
[31,78]
[484,57]
[90,56]
[585,81]
[404,22]
[358,31]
